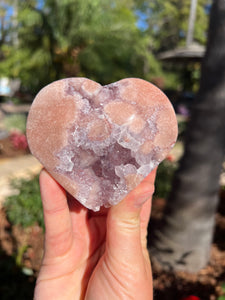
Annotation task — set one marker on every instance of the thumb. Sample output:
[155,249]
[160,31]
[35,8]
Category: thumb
[124,222]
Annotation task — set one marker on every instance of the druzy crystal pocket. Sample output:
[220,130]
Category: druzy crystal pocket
[99,142]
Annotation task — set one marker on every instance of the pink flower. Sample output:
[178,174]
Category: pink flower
[192,297]
[19,140]
[170,157]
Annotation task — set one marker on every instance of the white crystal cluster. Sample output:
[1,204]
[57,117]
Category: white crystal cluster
[104,145]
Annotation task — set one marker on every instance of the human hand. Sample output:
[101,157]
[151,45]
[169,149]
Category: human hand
[95,255]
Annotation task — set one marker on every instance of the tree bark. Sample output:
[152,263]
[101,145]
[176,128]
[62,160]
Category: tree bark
[183,240]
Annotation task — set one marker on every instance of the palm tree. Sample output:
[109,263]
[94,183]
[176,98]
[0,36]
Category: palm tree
[183,241]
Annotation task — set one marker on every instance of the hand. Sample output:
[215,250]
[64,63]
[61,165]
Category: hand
[95,255]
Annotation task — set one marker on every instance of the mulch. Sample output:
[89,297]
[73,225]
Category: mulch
[207,283]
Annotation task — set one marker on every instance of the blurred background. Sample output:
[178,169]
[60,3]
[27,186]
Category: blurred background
[167,42]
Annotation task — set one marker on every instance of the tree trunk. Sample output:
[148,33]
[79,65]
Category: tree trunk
[183,241]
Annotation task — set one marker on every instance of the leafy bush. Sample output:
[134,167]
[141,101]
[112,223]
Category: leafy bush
[9,99]
[15,122]
[19,140]
[164,178]
[222,297]
[25,209]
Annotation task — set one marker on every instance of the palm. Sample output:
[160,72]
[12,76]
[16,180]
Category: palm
[80,261]
[79,251]
[90,227]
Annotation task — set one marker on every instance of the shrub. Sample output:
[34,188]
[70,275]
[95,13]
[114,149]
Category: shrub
[25,208]
[18,140]
[164,178]
[15,122]
[182,127]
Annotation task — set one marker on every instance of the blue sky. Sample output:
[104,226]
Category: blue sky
[142,20]
[9,9]
[40,4]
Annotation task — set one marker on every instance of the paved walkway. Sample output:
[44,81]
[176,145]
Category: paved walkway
[20,167]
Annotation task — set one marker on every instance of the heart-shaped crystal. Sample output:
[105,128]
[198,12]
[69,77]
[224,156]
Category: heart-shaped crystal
[99,142]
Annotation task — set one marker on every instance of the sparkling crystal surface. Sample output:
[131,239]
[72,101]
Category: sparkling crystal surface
[99,142]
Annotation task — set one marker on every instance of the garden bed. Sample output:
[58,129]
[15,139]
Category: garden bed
[13,142]
[21,252]
[209,283]
[7,150]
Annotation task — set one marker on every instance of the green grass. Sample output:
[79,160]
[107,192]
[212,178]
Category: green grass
[25,209]
[15,122]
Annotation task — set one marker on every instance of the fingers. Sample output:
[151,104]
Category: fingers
[58,237]
[146,208]
[144,220]
[128,220]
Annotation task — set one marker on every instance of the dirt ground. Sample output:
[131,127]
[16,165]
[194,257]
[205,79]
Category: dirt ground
[206,284]
[22,249]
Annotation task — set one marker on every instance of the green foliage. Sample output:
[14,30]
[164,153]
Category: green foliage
[25,208]
[223,290]
[19,255]
[95,39]
[13,100]
[172,80]
[164,177]
[168,22]
[168,26]
[182,127]
[15,122]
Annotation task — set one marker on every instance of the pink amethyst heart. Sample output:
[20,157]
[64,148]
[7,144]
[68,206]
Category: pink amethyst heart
[100,142]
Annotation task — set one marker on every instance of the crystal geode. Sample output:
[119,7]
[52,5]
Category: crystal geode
[99,142]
